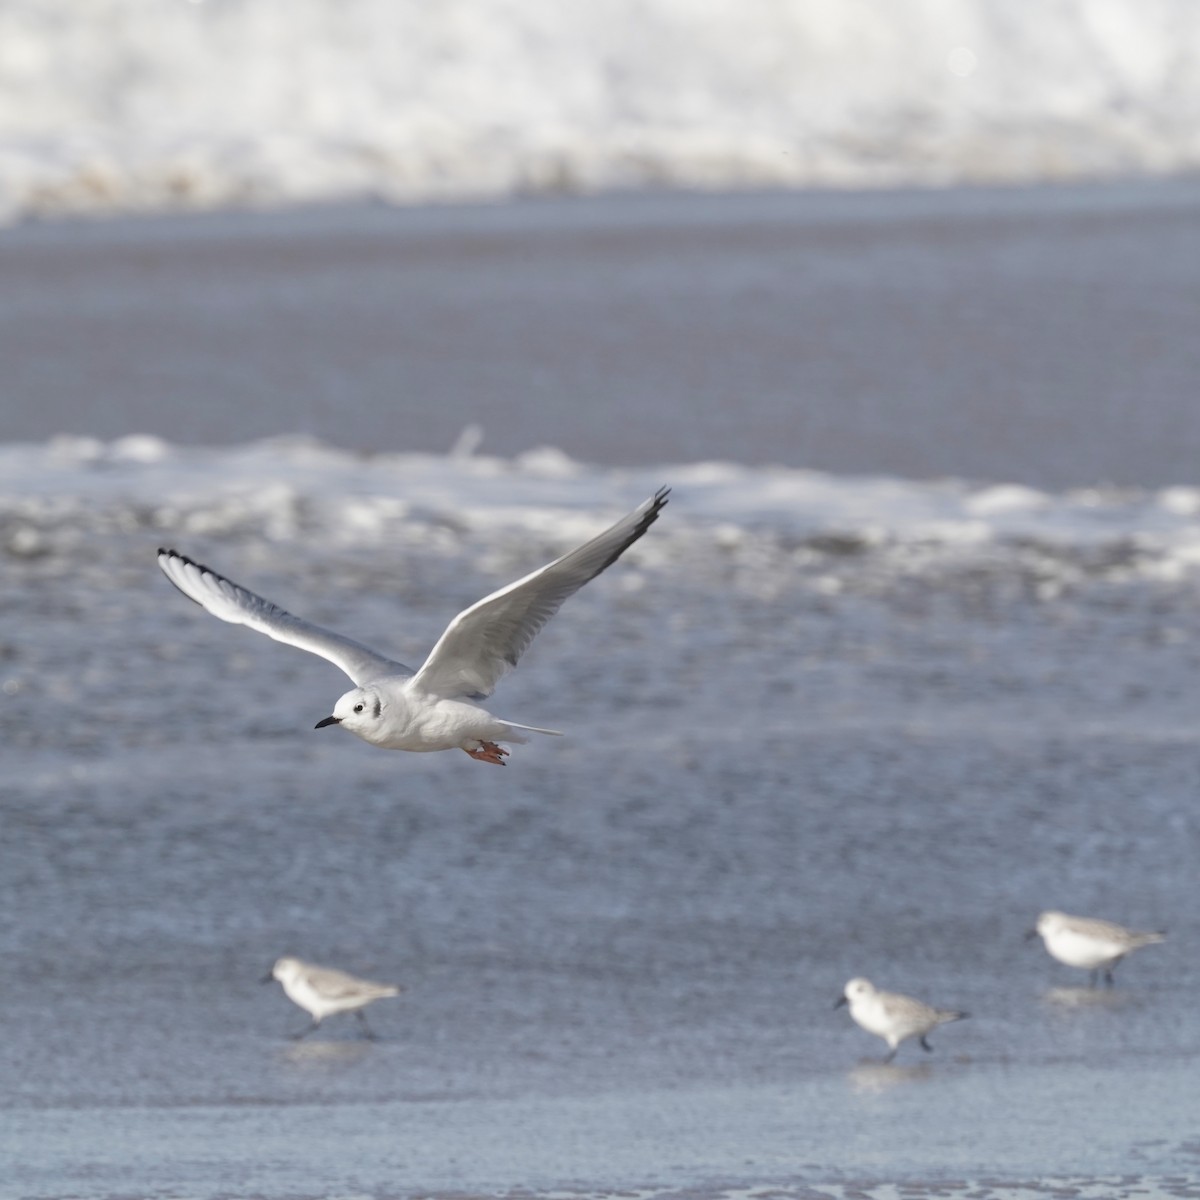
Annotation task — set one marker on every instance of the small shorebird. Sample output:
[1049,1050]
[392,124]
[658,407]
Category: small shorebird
[891,1016]
[324,991]
[434,708]
[1089,943]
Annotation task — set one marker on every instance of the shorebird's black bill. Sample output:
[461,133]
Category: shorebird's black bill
[840,1001]
[328,721]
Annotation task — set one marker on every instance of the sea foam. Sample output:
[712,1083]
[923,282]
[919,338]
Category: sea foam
[120,105]
[841,531]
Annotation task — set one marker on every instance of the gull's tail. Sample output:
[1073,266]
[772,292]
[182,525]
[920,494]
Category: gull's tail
[511,727]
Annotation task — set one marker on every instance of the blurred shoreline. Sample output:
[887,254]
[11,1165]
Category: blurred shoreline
[1035,335]
[113,105]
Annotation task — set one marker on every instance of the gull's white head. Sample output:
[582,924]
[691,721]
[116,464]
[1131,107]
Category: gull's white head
[361,711]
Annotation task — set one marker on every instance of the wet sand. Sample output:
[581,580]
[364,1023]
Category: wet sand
[621,952]
[880,1132]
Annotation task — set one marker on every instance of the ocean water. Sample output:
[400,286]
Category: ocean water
[1042,336]
[818,726]
[124,105]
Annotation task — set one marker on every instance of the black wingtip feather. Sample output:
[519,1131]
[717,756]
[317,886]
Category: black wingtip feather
[163,552]
[658,501]
[188,562]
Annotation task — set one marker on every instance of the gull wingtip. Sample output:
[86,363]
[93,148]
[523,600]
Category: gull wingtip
[652,507]
[166,555]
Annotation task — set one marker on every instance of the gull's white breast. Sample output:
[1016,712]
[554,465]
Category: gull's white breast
[415,721]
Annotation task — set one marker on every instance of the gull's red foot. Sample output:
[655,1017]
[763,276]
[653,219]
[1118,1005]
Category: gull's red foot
[489,752]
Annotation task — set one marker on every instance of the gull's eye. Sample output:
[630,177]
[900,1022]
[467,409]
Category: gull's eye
[358,708]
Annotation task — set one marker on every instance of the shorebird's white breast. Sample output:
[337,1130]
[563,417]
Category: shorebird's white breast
[1087,950]
[869,1013]
[301,993]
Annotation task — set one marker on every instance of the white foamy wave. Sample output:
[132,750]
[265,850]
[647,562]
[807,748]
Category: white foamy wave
[726,520]
[123,105]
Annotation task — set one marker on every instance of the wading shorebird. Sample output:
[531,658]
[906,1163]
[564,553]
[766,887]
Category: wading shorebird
[434,708]
[891,1016]
[1089,943]
[323,991]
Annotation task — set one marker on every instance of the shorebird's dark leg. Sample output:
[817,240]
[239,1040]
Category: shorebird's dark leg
[364,1028]
[1108,976]
[925,1045]
[305,1031]
[892,1055]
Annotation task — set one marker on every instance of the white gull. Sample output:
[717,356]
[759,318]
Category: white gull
[433,708]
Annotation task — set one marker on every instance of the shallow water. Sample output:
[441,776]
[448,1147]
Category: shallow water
[889,1125]
[1042,335]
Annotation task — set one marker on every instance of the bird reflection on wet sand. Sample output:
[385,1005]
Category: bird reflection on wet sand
[877,1077]
[1086,997]
[325,1054]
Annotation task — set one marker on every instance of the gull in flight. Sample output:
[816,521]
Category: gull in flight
[434,708]
[1089,942]
[891,1016]
[323,991]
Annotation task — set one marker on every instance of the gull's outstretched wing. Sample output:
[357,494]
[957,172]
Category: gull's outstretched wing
[233,603]
[486,641]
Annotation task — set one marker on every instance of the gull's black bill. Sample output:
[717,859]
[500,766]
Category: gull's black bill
[328,721]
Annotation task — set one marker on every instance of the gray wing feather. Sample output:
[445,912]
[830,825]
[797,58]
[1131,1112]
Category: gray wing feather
[229,601]
[916,1014]
[339,985]
[906,1008]
[1119,935]
[484,642]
